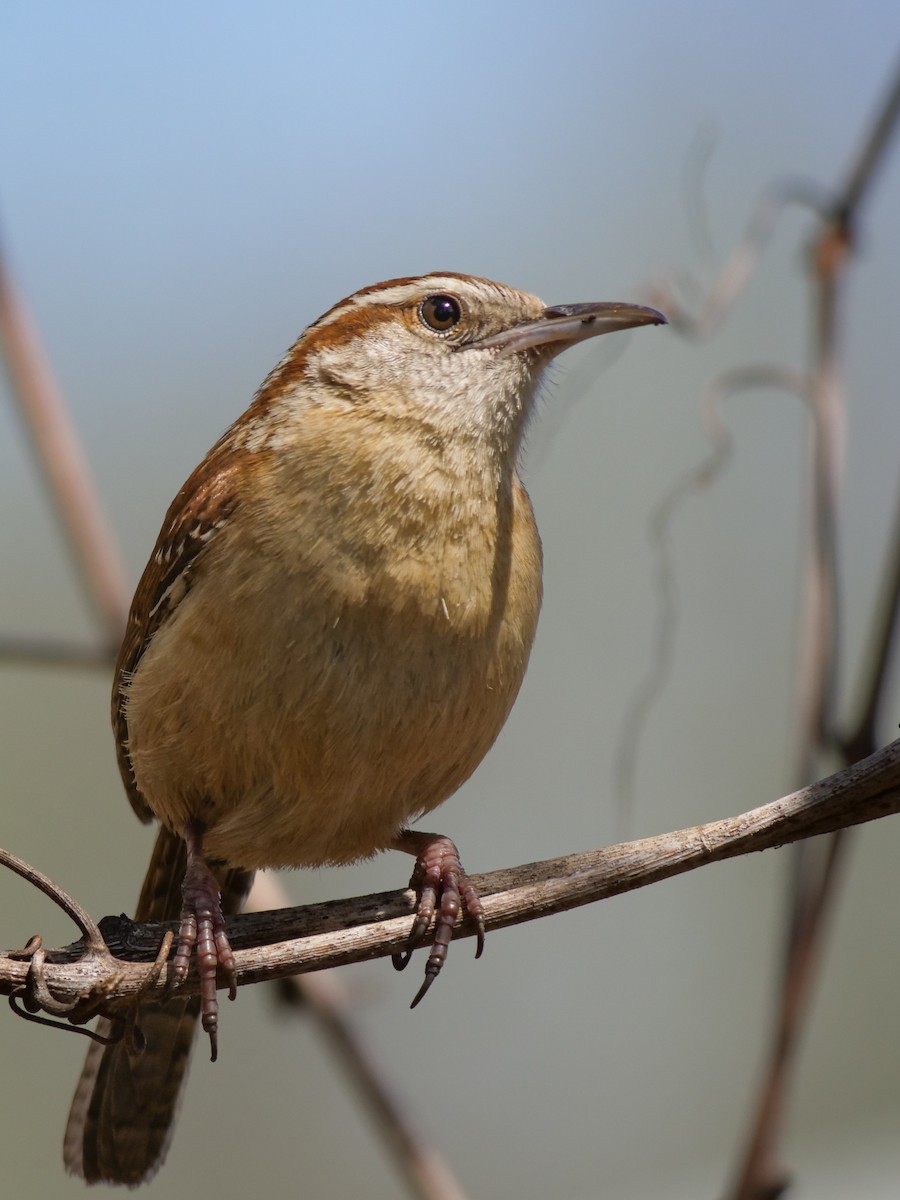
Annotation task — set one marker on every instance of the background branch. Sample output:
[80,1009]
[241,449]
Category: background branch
[815,868]
[62,462]
[325,997]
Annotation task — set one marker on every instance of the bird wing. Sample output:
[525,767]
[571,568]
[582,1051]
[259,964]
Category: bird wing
[196,516]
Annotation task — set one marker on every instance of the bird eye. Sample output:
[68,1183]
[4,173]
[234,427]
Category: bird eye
[440,313]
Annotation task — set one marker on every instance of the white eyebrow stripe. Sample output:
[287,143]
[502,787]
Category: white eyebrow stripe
[398,295]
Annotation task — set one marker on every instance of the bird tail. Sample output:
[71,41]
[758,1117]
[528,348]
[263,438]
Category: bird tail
[123,1112]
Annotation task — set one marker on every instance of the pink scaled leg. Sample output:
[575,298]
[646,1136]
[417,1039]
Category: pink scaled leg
[202,932]
[443,889]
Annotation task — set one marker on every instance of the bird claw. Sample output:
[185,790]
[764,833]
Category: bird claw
[443,890]
[202,935]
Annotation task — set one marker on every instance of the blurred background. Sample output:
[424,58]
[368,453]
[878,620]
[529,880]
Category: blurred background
[180,193]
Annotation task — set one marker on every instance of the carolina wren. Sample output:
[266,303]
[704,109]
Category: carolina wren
[327,639]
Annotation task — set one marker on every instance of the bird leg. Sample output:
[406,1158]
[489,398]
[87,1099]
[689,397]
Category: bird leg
[443,888]
[202,933]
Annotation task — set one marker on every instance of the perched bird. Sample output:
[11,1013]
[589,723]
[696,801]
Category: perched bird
[328,637]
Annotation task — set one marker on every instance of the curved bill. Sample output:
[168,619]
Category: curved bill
[565,324]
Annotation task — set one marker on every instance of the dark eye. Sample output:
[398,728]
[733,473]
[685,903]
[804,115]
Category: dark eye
[440,312]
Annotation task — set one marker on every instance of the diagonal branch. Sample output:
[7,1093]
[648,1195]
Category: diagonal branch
[325,998]
[58,449]
[277,944]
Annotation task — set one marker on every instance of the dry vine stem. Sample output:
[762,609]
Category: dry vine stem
[275,944]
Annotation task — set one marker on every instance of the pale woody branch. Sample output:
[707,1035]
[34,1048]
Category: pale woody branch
[276,944]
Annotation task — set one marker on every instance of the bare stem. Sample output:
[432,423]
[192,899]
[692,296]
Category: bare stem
[63,463]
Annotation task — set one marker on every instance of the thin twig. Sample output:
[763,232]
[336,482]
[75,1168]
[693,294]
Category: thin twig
[62,460]
[324,996]
[45,884]
[815,871]
[665,590]
[861,741]
[872,153]
[53,652]
[741,263]
[760,1174]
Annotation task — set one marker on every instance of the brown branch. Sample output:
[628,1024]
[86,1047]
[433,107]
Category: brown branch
[44,884]
[816,869]
[884,626]
[54,652]
[741,263]
[62,460]
[837,210]
[872,153]
[325,998]
[274,945]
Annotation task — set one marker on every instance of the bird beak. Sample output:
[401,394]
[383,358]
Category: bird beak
[565,324]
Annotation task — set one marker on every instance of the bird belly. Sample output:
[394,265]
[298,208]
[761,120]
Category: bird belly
[315,737]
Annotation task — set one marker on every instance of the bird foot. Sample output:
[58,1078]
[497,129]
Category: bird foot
[443,889]
[202,935]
